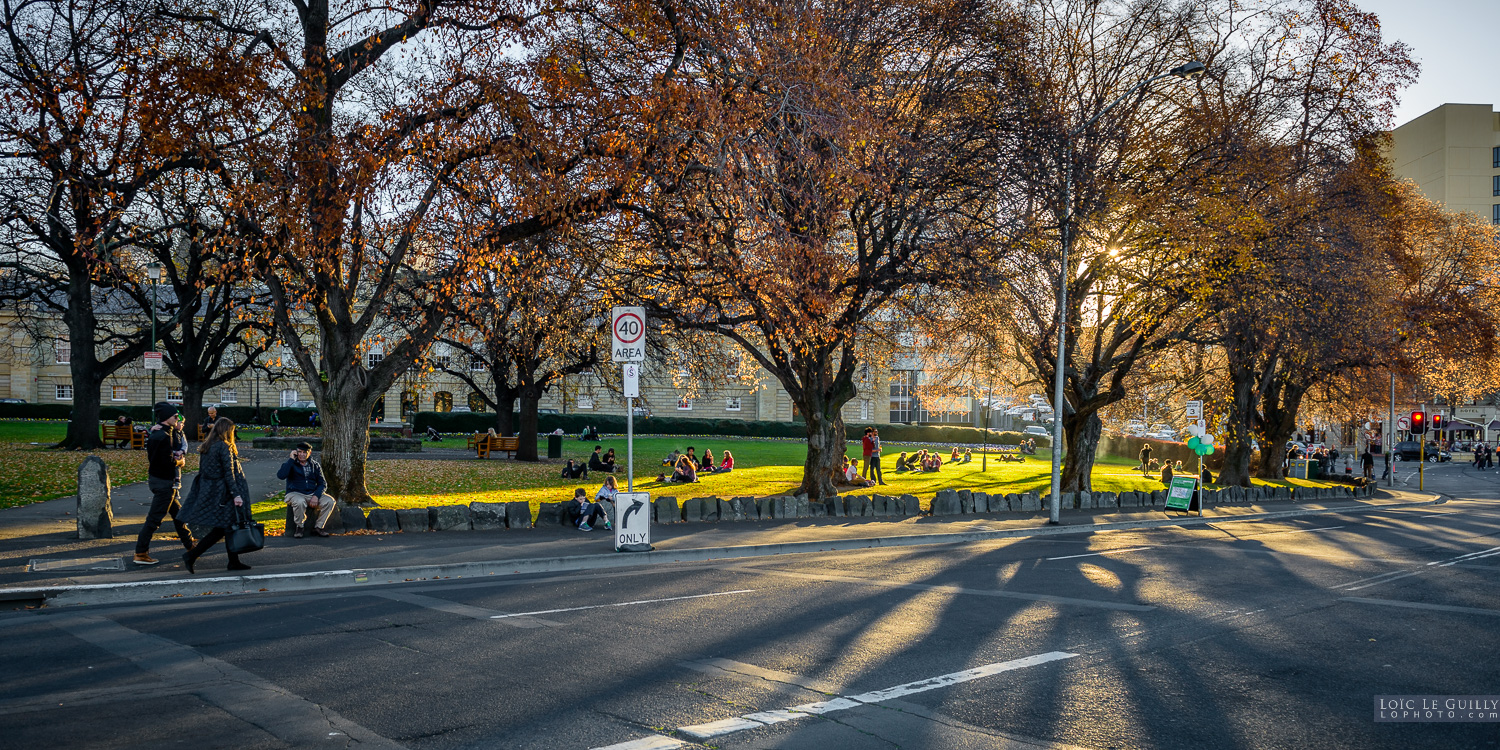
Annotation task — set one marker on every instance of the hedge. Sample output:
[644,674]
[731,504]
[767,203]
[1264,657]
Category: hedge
[1161,450]
[240,414]
[36,411]
[574,424]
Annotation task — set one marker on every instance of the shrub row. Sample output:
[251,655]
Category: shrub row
[574,424]
[1161,450]
[240,414]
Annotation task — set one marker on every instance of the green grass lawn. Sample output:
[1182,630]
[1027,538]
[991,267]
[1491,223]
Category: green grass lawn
[762,467]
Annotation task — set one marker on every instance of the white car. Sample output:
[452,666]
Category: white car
[1037,430]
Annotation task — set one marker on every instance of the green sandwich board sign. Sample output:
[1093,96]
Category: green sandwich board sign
[1180,496]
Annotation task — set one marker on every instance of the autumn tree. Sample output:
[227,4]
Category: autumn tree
[95,113]
[374,118]
[843,157]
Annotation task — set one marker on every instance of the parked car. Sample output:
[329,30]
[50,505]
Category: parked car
[1409,450]
[302,405]
[1037,431]
[461,409]
[12,400]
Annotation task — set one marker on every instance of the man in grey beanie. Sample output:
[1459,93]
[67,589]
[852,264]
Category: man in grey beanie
[166,449]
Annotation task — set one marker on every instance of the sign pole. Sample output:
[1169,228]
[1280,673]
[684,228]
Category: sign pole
[1422,456]
[629,444]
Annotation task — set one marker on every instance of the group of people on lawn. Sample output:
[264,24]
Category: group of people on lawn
[924,460]
[687,466]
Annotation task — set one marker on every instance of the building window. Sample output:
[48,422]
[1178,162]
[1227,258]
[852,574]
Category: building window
[64,353]
[864,410]
[174,395]
[1495,152]
[228,396]
[684,403]
[586,402]
[476,364]
[119,393]
[732,404]
[409,402]
[288,396]
[65,393]
[476,401]
[1496,211]
[442,401]
[902,382]
[372,359]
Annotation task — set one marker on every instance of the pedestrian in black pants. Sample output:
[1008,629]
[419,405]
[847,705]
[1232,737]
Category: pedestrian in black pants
[166,448]
[218,493]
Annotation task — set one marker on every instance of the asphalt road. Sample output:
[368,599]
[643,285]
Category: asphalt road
[1243,634]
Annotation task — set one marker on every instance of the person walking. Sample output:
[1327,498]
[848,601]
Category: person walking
[166,451]
[1145,457]
[218,494]
[1367,462]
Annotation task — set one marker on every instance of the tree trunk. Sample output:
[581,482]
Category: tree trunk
[531,396]
[1080,441]
[827,445]
[83,425]
[1239,430]
[88,376]
[1279,407]
[192,404]
[346,445]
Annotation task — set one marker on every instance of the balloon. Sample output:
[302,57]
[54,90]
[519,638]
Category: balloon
[1208,439]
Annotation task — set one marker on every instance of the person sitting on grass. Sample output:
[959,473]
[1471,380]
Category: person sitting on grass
[609,461]
[671,459]
[575,470]
[901,464]
[727,465]
[596,461]
[686,470]
[1207,478]
[691,456]
[932,462]
[432,435]
[953,458]
[1166,474]
[968,455]
[584,514]
[707,465]
[851,474]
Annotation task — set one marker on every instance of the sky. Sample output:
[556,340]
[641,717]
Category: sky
[1454,40]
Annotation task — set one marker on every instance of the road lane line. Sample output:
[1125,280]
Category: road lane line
[621,604]
[657,742]
[1371,578]
[462,610]
[1048,598]
[1419,605]
[1304,531]
[722,727]
[1105,552]
[1470,558]
[1398,575]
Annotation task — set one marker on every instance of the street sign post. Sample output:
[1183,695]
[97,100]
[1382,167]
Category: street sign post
[1194,410]
[633,522]
[1180,495]
[628,329]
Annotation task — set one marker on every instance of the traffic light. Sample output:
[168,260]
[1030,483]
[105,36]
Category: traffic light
[1418,423]
[1437,422]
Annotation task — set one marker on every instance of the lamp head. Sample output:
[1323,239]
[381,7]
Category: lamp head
[1192,69]
[153,271]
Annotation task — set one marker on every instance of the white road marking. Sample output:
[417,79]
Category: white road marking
[839,703]
[1105,552]
[657,742]
[1049,598]
[1491,552]
[1303,531]
[1396,576]
[462,610]
[620,604]
[1419,605]
[1399,574]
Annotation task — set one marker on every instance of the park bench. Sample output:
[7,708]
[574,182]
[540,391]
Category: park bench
[1011,453]
[484,444]
[113,433]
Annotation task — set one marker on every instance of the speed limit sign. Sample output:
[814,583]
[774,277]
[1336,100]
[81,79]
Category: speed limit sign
[628,328]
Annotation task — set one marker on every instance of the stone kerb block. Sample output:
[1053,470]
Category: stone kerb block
[981,502]
[608,508]
[1158,498]
[692,510]
[965,501]
[880,505]
[946,503]
[1031,501]
[726,510]
[817,509]
[518,515]
[741,509]
[487,516]
[909,505]
[767,508]
[1086,500]
[710,509]
[834,506]
[1107,500]
[412,520]
[345,518]
[664,510]
[547,514]
[450,517]
[1012,501]
[858,505]
[382,520]
[96,515]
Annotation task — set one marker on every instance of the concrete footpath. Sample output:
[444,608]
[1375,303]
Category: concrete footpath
[41,560]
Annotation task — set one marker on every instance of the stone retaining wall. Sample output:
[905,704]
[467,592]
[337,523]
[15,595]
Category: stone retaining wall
[667,509]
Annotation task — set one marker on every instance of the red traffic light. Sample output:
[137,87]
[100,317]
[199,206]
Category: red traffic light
[1418,422]
[1437,422]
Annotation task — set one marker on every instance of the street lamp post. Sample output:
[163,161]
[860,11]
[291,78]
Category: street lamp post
[1187,70]
[153,272]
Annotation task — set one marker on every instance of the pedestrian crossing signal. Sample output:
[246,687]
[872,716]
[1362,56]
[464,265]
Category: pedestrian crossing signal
[1418,423]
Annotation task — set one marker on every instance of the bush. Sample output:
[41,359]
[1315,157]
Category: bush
[574,424]
[36,411]
[1161,450]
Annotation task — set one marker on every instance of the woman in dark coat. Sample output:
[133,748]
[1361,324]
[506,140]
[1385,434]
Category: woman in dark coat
[218,490]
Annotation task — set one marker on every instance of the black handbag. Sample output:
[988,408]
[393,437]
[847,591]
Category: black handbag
[245,534]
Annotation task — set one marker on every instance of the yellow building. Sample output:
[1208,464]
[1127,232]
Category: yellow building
[1453,154]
